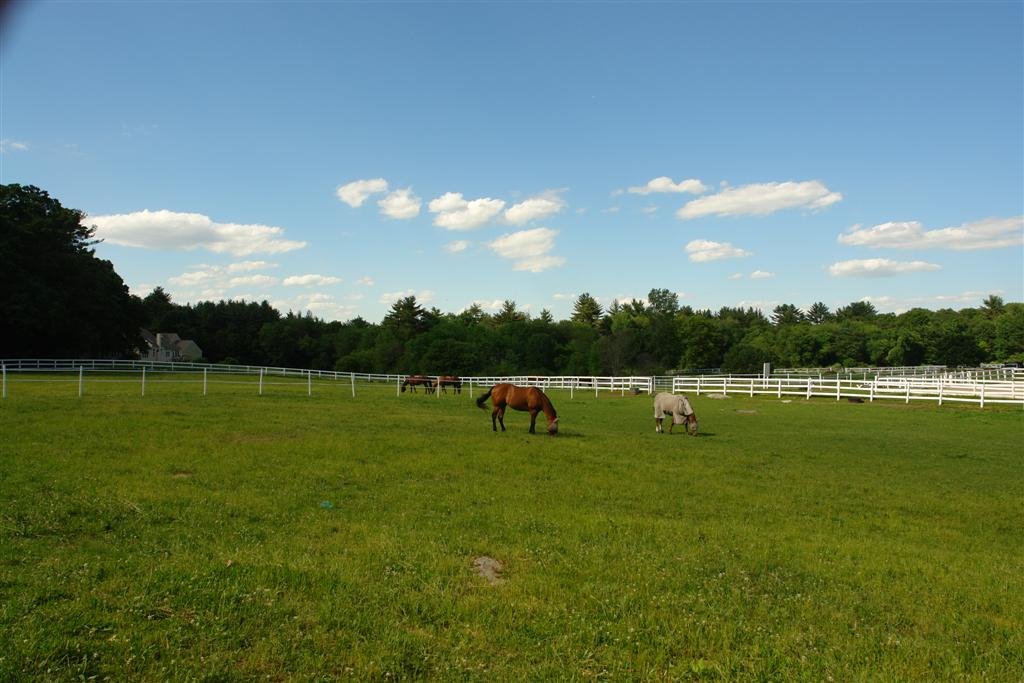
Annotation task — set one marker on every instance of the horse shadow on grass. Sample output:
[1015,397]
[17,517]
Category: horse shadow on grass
[700,435]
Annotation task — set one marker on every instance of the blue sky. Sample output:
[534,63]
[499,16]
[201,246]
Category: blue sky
[335,156]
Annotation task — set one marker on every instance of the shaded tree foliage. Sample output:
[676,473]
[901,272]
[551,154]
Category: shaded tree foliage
[58,298]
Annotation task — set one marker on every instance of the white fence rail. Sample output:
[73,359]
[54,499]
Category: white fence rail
[136,372]
[939,389]
[932,383]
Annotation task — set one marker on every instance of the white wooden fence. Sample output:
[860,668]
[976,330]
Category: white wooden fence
[131,371]
[915,388]
[931,383]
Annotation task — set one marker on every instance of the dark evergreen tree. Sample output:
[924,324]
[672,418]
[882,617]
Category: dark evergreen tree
[57,297]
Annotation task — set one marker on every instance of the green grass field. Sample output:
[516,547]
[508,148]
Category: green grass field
[237,536]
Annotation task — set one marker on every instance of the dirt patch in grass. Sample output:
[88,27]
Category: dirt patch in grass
[489,568]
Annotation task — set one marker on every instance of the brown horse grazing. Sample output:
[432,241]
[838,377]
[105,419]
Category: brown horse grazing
[531,399]
[453,381]
[413,381]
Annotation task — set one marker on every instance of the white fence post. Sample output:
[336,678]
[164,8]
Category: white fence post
[81,380]
[143,381]
[204,380]
[838,382]
[352,375]
[4,368]
[982,395]
[309,383]
[261,381]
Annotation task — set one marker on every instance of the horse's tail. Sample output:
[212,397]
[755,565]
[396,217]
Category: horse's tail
[483,399]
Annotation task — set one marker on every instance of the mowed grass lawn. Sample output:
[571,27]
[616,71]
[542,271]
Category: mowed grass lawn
[236,536]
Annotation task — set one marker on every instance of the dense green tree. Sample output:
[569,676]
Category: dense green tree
[744,358]
[1009,334]
[586,311]
[663,302]
[703,343]
[509,313]
[787,314]
[228,330]
[819,313]
[474,315]
[857,310]
[993,305]
[406,319]
[57,297]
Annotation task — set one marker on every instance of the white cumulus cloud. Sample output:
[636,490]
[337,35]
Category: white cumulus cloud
[365,281]
[245,266]
[455,213]
[666,184]
[706,250]
[356,192]
[194,278]
[256,280]
[529,249]
[310,280]
[535,208]
[761,275]
[989,233]
[878,267]
[401,204]
[187,231]
[760,199]
[456,246]
[321,305]
[422,296]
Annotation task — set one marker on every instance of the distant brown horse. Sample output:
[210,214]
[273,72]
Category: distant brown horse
[453,381]
[413,381]
[530,399]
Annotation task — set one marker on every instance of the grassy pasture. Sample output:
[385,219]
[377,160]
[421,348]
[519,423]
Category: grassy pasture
[178,536]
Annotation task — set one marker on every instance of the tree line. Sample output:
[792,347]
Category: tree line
[59,299]
[657,336]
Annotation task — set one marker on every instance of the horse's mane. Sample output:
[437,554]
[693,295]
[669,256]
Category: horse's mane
[548,405]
